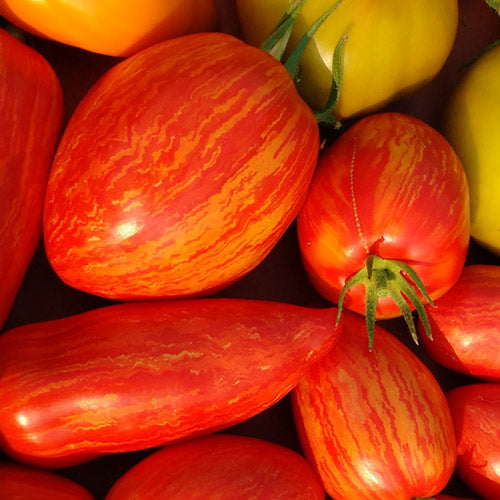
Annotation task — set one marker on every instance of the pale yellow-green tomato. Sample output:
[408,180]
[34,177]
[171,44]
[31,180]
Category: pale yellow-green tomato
[472,126]
[393,47]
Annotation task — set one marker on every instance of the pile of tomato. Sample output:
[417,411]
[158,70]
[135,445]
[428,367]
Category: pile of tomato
[250,249]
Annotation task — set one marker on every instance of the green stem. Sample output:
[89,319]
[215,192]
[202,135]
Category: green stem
[494,4]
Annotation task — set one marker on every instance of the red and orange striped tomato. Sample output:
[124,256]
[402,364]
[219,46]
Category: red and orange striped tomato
[466,324]
[221,466]
[19,482]
[137,375]
[179,171]
[475,409]
[375,424]
[31,108]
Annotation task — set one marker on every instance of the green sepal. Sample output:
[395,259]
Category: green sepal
[494,4]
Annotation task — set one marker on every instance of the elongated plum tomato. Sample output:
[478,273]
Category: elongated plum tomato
[375,424]
[111,27]
[31,110]
[137,375]
[179,171]
[466,324]
[475,409]
[390,188]
[19,482]
[221,466]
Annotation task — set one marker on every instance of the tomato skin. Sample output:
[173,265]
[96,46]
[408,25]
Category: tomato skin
[31,108]
[137,375]
[19,482]
[393,47]
[179,171]
[220,466]
[475,409]
[111,27]
[471,123]
[389,186]
[466,324]
[375,424]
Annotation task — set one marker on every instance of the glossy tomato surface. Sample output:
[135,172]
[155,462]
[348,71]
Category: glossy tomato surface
[31,112]
[475,409]
[415,37]
[179,171]
[466,324]
[389,186]
[112,27]
[375,424]
[138,375]
[220,467]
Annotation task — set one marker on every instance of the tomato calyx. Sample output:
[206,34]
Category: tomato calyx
[494,4]
[389,278]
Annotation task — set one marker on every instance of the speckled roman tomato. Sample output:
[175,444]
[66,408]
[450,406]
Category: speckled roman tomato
[375,424]
[137,375]
[179,171]
[220,467]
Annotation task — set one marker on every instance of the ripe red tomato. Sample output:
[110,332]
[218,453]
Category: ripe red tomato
[112,27]
[466,324]
[475,410]
[19,482]
[221,466]
[375,424]
[137,375]
[179,171]
[31,108]
[389,188]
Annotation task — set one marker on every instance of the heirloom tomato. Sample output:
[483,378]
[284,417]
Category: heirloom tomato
[393,47]
[388,210]
[466,324]
[112,27]
[220,467]
[472,126]
[137,375]
[475,410]
[179,171]
[375,424]
[31,110]
[19,482]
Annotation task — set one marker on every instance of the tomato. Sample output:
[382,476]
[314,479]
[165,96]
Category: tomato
[115,28]
[19,482]
[472,126]
[375,424]
[136,375]
[475,409]
[389,188]
[466,324]
[179,171]
[221,466]
[31,108]
[393,46]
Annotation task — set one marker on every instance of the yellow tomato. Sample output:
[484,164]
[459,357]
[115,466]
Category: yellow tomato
[111,27]
[472,126]
[393,46]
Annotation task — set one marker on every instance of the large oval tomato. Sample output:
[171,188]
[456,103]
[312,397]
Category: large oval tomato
[136,375]
[112,27]
[179,171]
[472,125]
[31,111]
[219,467]
[475,409]
[389,188]
[375,424]
[466,324]
[393,46]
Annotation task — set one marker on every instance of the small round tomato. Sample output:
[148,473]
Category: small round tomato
[390,190]
[112,27]
[472,126]
[393,46]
